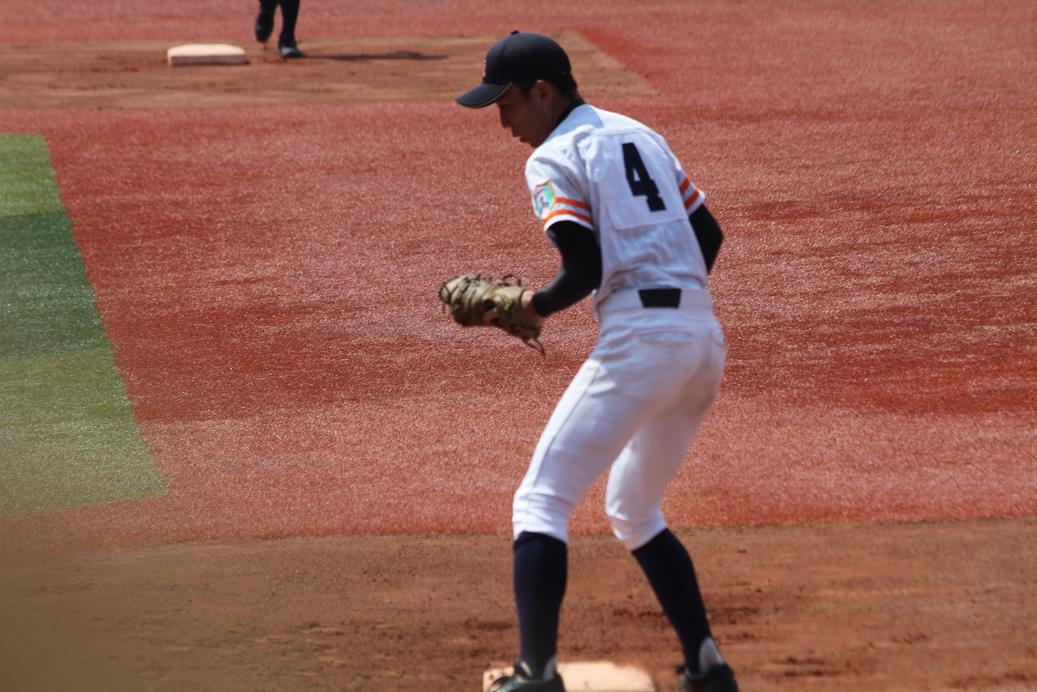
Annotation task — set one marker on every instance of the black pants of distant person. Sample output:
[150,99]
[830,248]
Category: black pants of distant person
[289,15]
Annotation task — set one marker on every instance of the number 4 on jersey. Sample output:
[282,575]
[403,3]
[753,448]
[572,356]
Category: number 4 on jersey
[641,185]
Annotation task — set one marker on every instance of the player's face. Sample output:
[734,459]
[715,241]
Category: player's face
[528,116]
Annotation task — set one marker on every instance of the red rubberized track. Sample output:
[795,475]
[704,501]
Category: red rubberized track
[267,277]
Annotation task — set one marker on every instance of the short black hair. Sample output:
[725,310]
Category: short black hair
[564,84]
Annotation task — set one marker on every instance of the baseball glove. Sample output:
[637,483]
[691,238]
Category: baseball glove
[470,296]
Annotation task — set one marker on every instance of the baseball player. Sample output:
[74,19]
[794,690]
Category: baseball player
[632,230]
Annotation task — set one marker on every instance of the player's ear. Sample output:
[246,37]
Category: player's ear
[542,91]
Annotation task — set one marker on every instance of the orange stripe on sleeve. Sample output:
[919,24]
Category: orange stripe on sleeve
[568,212]
[572,203]
[691,200]
[685,185]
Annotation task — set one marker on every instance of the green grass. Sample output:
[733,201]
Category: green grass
[67,433]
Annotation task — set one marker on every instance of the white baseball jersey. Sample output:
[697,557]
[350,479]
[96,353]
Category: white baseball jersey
[619,178]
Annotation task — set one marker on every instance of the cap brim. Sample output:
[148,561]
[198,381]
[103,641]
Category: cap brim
[482,95]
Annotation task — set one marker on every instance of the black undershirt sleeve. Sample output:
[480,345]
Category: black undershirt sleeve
[708,233]
[580,272]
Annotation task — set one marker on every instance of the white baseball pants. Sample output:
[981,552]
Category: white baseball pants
[635,406]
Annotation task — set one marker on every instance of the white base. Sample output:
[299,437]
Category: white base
[600,676]
[206,54]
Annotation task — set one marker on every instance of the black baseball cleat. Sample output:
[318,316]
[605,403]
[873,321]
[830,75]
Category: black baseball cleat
[265,20]
[522,681]
[290,50]
[716,679]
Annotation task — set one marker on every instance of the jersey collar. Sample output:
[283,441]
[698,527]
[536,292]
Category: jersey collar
[565,116]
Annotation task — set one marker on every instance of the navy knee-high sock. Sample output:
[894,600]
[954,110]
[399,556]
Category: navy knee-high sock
[672,576]
[540,571]
[289,15]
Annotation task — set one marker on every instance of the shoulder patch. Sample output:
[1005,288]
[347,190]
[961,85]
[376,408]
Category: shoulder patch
[543,198]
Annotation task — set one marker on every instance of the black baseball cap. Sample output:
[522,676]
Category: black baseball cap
[520,57]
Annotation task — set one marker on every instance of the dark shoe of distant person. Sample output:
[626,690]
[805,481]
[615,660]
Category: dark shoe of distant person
[265,20]
[290,50]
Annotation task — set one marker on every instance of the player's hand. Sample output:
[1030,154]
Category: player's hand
[528,311]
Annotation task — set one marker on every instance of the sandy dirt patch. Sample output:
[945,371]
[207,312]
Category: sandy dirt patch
[134,74]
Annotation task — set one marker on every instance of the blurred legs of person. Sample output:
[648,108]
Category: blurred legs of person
[286,44]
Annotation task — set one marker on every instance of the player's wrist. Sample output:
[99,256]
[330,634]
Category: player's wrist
[529,306]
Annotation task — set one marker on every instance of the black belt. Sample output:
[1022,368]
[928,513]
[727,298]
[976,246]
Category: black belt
[660,297]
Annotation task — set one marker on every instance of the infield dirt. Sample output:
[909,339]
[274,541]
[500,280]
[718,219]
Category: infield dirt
[928,606]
